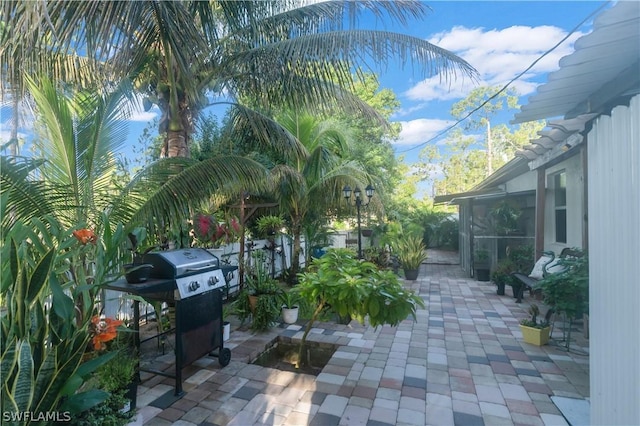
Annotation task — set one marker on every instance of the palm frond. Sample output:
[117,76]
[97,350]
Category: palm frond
[26,196]
[263,132]
[166,188]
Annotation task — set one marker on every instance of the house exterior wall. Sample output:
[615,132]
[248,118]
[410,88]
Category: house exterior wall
[575,210]
[614,252]
[524,182]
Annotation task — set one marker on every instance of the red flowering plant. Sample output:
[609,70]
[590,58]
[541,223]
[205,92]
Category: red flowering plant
[209,231]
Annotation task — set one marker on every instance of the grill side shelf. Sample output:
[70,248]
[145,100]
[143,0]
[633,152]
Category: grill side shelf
[149,287]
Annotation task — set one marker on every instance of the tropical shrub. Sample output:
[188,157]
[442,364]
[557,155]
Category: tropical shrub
[502,273]
[568,291]
[340,282]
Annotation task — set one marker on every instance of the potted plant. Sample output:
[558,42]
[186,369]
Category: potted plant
[481,264]
[137,271]
[534,332]
[290,306]
[227,309]
[501,276]
[261,296]
[118,377]
[505,217]
[270,225]
[411,252]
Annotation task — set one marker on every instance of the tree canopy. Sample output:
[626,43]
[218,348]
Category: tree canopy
[466,158]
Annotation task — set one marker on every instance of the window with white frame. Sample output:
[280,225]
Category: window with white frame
[560,205]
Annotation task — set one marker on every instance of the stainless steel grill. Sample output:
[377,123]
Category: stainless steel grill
[192,281]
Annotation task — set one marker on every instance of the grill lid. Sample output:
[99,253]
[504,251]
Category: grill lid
[179,262]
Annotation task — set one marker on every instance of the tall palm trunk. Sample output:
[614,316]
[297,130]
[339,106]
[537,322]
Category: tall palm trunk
[175,144]
[296,230]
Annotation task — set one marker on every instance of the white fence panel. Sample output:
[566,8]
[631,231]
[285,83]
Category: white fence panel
[614,255]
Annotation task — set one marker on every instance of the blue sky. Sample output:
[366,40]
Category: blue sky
[500,39]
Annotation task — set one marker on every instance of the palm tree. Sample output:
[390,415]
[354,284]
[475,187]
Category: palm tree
[276,53]
[307,185]
[73,178]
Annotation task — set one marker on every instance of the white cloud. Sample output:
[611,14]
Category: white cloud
[5,135]
[498,55]
[144,116]
[421,130]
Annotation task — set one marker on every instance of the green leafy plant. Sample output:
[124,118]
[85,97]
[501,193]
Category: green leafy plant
[266,312]
[269,225]
[501,275]
[522,257]
[118,373]
[504,216]
[568,291]
[268,292]
[410,251]
[481,256]
[115,377]
[43,349]
[290,298]
[534,312]
[380,256]
[340,282]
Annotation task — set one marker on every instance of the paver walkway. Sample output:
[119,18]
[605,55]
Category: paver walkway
[462,362]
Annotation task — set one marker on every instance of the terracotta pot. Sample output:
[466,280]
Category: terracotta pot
[253,301]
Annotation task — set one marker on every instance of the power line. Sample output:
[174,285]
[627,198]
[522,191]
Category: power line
[509,83]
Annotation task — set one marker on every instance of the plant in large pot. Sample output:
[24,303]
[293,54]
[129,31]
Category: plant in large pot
[290,306]
[481,264]
[505,216]
[411,252]
[534,331]
[269,225]
[501,276]
[261,296]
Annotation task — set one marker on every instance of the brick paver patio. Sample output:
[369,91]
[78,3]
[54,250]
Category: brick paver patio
[462,362]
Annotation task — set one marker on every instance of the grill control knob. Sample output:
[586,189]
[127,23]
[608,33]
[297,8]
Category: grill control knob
[193,285]
[213,280]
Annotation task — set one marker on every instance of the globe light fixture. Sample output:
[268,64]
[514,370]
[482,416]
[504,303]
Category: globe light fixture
[357,195]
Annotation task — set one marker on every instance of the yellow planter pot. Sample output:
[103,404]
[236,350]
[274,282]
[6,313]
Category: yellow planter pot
[535,336]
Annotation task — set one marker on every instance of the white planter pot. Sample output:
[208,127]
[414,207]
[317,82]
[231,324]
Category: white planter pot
[290,315]
[226,331]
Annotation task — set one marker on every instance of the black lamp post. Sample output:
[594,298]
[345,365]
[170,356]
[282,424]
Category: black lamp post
[346,192]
